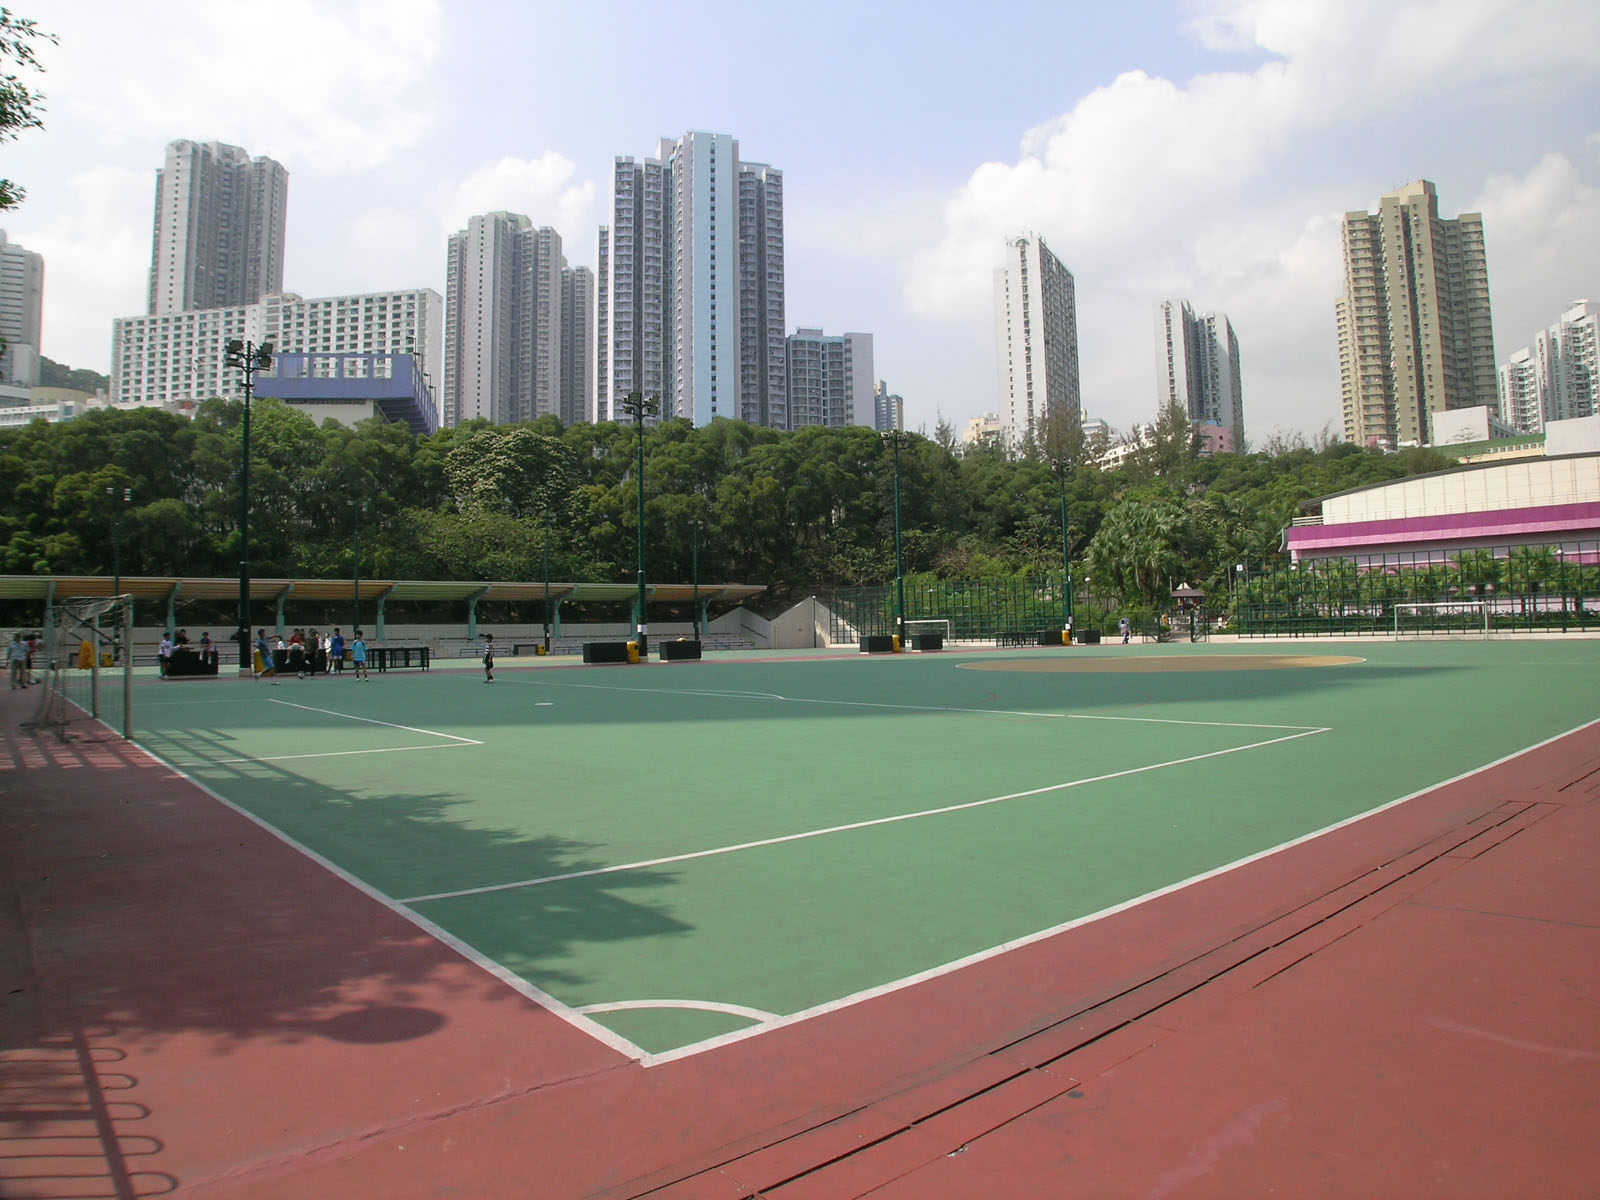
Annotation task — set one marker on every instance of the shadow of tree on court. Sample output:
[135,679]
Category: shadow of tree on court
[150,907]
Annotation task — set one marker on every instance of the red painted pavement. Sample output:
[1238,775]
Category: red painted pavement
[1405,1007]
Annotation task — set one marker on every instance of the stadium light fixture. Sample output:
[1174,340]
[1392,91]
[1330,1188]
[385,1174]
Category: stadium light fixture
[247,358]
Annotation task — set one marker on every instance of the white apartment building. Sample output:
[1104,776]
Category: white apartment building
[1036,338]
[984,429]
[691,285]
[829,378]
[1197,368]
[21,319]
[577,345]
[503,321]
[1415,333]
[1558,377]
[888,410]
[173,358]
[219,228]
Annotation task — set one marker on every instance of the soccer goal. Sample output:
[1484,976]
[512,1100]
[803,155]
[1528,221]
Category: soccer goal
[87,670]
[1445,619]
[939,625]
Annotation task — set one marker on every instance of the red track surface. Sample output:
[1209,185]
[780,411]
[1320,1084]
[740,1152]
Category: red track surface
[1405,1007]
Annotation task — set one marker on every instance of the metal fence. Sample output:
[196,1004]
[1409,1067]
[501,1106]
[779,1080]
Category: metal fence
[1550,588]
[976,610]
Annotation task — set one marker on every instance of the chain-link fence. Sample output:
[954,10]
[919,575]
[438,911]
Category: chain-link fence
[970,610]
[1512,589]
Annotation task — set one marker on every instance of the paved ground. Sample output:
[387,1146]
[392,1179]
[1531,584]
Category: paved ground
[1405,1007]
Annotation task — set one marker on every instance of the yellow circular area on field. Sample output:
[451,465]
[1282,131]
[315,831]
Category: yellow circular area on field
[1146,664]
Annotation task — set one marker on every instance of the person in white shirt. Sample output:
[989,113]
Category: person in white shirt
[165,651]
[17,656]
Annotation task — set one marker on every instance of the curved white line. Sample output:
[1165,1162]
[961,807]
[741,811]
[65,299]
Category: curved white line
[733,1010]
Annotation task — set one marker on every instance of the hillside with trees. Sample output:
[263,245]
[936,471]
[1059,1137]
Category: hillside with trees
[800,512]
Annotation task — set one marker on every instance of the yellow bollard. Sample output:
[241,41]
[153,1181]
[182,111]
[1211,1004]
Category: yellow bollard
[85,656]
[633,652]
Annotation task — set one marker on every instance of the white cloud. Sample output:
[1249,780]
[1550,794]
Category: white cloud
[544,189]
[1543,254]
[95,242]
[1148,187]
[336,88]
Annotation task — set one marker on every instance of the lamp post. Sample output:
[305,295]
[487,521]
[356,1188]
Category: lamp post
[637,406]
[694,560]
[1066,544]
[895,437]
[247,358]
[547,582]
[121,501]
[356,574]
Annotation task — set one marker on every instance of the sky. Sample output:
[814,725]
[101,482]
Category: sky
[1202,150]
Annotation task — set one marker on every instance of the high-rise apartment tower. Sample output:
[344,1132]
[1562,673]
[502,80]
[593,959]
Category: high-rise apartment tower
[1415,334]
[21,312]
[219,222]
[503,324]
[1036,336]
[1558,377]
[1197,368]
[691,284]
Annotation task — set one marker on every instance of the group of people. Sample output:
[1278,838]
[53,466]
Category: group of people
[19,657]
[308,654]
[178,643]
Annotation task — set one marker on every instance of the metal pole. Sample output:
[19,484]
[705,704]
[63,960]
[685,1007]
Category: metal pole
[357,574]
[547,582]
[127,671]
[244,520]
[644,623]
[899,556]
[694,555]
[1066,543]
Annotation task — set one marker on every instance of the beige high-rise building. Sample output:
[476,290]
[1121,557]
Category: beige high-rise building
[1415,334]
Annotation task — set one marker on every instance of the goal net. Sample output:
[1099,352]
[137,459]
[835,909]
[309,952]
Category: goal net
[84,665]
[1447,619]
[939,625]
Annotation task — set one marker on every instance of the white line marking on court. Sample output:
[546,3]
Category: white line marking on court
[983,712]
[854,825]
[374,721]
[505,975]
[218,762]
[651,1060]
[735,1010]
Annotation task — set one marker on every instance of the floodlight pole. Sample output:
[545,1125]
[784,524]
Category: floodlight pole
[355,574]
[247,358]
[547,581]
[637,406]
[895,437]
[1066,543]
[694,558]
[121,501]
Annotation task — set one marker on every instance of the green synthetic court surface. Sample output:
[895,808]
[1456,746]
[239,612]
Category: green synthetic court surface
[669,855]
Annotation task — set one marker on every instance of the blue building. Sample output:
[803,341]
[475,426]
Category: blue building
[352,387]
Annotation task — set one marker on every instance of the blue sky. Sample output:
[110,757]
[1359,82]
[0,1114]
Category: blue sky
[1203,150]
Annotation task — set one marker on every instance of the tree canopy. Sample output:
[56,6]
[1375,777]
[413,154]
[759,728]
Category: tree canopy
[798,512]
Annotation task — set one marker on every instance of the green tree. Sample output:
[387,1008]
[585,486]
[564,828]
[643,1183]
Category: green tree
[20,107]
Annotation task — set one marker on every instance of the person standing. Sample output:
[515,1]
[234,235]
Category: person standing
[488,658]
[17,657]
[336,651]
[1125,627]
[164,651]
[358,655]
[264,660]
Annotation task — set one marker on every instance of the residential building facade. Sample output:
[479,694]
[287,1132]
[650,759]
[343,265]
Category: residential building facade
[1036,339]
[691,285]
[830,378]
[1558,377]
[218,234]
[1197,368]
[503,330]
[21,319]
[172,358]
[1414,326]
[577,345]
[888,410]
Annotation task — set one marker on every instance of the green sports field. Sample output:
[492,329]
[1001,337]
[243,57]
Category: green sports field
[674,854]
